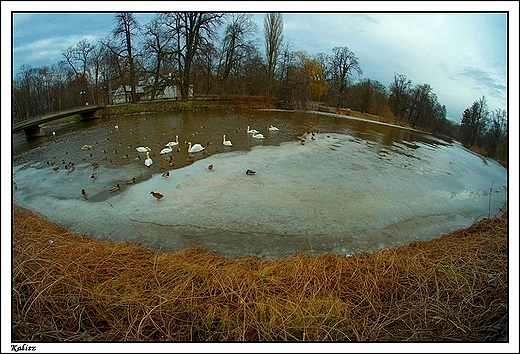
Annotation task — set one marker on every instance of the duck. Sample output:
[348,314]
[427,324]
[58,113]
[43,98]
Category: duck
[166,150]
[258,136]
[94,175]
[95,165]
[132,181]
[115,189]
[250,172]
[86,147]
[273,128]
[174,143]
[251,131]
[210,167]
[166,174]
[143,149]
[148,161]
[226,142]
[157,195]
[84,194]
[195,148]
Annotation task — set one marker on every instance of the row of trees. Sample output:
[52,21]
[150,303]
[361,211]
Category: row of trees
[194,49]
[485,130]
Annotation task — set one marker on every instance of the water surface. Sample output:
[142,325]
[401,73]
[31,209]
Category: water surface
[323,184]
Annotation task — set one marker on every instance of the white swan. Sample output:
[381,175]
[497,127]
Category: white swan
[273,128]
[148,161]
[195,148]
[226,142]
[174,143]
[252,131]
[258,136]
[166,150]
[143,149]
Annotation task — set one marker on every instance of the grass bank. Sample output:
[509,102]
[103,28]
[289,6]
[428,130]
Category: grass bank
[200,104]
[70,287]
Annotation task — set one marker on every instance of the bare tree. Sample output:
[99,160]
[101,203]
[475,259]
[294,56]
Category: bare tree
[83,51]
[235,45]
[205,68]
[495,139]
[367,96]
[158,44]
[273,33]
[399,98]
[126,28]
[420,103]
[193,30]
[474,121]
[98,62]
[71,56]
[343,65]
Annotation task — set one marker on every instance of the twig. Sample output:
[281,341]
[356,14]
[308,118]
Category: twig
[489,203]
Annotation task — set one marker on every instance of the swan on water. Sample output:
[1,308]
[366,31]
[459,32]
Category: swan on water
[166,150]
[195,148]
[258,136]
[273,128]
[174,143]
[226,142]
[148,161]
[143,149]
[251,131]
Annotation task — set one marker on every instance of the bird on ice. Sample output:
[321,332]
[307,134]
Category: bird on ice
[157,195]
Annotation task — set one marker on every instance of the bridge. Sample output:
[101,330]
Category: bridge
[33,127]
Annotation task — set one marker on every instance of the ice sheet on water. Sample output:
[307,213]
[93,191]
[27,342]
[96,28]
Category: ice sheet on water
[331,194]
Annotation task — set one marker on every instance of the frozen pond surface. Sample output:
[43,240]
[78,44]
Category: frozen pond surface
[351,186]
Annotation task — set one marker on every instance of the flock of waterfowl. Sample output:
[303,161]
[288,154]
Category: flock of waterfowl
[194,148]
[148,161]
[168,148]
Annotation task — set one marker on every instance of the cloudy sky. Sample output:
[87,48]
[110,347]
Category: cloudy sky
[462,56]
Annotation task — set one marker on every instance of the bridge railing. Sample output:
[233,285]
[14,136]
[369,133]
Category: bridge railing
[33,123]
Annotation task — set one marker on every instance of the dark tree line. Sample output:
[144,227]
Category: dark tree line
[224,54]
[484,130]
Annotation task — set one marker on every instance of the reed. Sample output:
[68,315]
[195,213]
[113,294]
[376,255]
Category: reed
[70,287]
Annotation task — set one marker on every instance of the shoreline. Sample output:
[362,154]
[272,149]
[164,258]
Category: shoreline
[86,286]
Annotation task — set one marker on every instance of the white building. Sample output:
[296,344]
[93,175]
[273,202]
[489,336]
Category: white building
[123,93]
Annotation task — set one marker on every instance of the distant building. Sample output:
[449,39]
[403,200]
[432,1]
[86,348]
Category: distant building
[173,92]
[124,93]
[143,92]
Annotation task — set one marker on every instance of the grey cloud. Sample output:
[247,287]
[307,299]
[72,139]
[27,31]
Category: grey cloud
[485,81]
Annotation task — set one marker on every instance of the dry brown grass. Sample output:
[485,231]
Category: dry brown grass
[454,288]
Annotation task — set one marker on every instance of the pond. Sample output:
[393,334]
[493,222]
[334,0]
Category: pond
[323,183]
